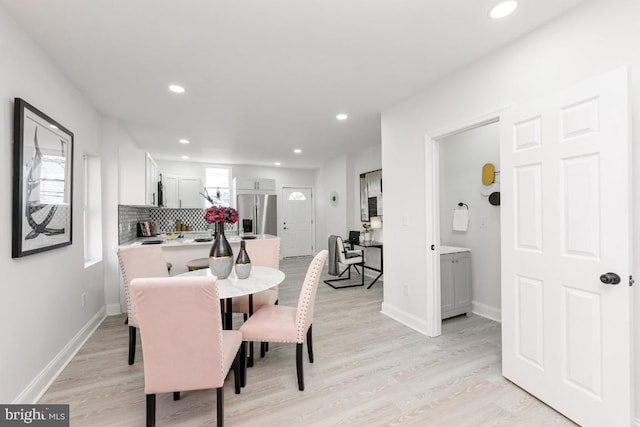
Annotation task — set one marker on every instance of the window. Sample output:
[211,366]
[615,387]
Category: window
[296,195]
[92,211]
[216,182]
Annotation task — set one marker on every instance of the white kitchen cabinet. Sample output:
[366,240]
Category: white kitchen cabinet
[170,191]
[138,177]
[254,185]
[455,283]
[152,178]
[182,192]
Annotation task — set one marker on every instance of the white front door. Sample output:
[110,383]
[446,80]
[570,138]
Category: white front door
[566,335]
[297,230]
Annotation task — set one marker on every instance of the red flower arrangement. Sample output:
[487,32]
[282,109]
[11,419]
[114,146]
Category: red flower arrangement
[217,214]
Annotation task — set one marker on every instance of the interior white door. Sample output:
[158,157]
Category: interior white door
[297,221]
[566,335]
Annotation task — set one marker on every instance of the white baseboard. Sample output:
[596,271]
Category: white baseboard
[113,309]
[491,313]
[401,316]
[34,391]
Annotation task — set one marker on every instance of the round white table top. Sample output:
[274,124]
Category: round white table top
[260,279]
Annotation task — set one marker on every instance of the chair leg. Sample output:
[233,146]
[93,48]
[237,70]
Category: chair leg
[132,344]
[310,344]
[176,395]
[151,410]
[299,367]
[263,349]
[340,278]
[237,370]
[243,364]
[220,403]
[250,358]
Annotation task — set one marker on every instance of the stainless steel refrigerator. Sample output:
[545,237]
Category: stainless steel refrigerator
[257,214]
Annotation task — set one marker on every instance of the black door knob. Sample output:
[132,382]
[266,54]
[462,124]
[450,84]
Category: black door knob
[610,279]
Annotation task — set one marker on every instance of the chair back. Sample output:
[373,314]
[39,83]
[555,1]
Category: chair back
[264,252]
[307,298]
[181,333]
[342,251]
[138,262]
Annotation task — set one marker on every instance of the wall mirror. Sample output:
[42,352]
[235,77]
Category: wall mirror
[370,195]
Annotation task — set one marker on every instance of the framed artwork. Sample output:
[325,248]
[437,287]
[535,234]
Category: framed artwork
[370,195]
[42,182]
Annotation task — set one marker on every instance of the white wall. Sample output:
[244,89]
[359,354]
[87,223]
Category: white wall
[460,164]
[114,137]
[342,175]
[41,314]
[592,39]
[332,176]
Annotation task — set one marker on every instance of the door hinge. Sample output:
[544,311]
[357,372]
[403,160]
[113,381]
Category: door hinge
[631,281]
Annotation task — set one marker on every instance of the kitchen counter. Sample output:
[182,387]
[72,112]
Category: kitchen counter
[179,251]
[190,240]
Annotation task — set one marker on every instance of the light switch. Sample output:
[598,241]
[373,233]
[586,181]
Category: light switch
[405,220]
[483,222]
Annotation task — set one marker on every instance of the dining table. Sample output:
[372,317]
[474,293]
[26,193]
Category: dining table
[260,279]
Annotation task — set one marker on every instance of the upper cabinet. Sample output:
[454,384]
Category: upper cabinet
[138,177]
[254,185]
[182,192]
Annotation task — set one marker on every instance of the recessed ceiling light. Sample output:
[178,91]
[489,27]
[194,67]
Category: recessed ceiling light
[184,141]
[342,116]
[184,157]
[176,88]
[297,151]
[277,163]
[503,9]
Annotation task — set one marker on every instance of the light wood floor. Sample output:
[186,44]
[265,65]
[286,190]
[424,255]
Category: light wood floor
[369,371]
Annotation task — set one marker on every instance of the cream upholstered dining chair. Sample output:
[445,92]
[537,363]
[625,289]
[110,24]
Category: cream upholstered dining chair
[338,254]
[183,344]
[263,253]
[277,323]
[138,262]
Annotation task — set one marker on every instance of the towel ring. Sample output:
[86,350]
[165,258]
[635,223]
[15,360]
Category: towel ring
[463,204]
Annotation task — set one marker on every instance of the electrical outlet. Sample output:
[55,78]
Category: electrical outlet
[84,299]
[483,222]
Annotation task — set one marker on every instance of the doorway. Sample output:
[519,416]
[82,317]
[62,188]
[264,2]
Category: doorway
[469,221]
[297,222]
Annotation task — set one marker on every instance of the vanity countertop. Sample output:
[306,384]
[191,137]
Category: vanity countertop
[444,250]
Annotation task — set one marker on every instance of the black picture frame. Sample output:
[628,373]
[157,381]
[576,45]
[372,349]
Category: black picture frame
[42,215]
[370,195]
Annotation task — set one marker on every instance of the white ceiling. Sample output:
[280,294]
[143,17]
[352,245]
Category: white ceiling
[264,76]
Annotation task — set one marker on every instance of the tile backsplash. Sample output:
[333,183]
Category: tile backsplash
[129,216]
